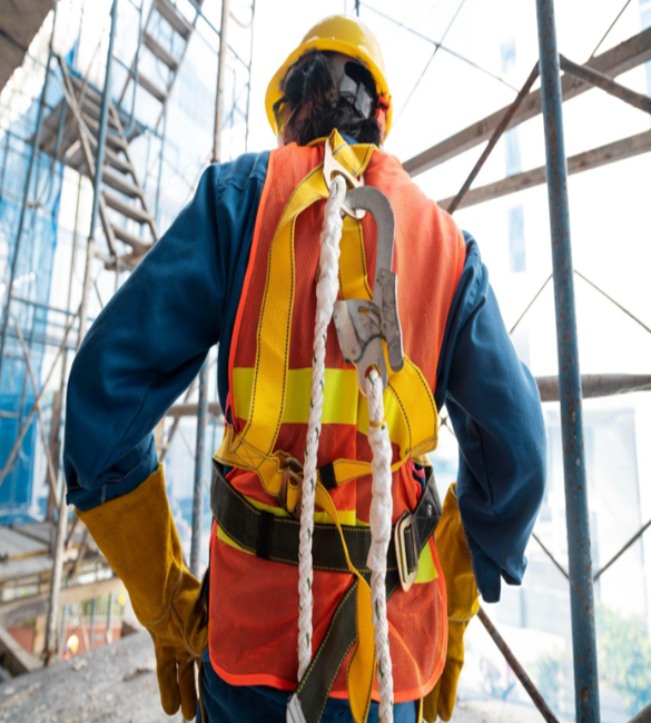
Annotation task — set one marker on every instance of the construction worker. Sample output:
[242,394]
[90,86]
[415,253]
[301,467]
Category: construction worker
[244,266]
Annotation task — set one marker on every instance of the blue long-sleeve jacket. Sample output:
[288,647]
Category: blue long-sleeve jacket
[151,339]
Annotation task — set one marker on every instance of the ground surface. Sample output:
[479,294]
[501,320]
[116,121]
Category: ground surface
[118,684]
[115,683]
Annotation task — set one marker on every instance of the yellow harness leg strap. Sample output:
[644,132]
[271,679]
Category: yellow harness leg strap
[361,669]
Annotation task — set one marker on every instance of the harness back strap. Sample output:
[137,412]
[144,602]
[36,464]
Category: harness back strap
[309,700]
[409,406]
[270,376]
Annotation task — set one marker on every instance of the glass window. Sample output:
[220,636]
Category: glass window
[517,255]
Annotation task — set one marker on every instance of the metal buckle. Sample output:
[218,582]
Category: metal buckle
[291,471]
[406,578]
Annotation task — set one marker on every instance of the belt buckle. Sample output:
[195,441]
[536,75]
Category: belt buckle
[401,545]
[291,471]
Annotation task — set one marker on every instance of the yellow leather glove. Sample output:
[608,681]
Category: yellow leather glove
[137,534]
[463,603]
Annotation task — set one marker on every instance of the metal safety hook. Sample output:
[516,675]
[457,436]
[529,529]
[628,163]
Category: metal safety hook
[361,324]
[331,168]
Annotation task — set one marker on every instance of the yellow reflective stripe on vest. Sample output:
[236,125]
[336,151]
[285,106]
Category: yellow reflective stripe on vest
[339,405]
[353,274]
[343,404]
[426,568]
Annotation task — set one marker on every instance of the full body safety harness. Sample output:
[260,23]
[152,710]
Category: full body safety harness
[369,333]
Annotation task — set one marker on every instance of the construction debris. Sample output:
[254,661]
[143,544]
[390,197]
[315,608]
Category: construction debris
[114,683]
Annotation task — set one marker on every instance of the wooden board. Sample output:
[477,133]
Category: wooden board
[16,546]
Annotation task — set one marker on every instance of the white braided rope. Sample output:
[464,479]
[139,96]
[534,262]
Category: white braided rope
[381,514]
[326,295]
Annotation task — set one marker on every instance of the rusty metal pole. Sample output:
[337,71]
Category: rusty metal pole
[6,305]
[517,668]
[586,678]
[202,408]
[219,94]
[59,397]
[99,170]
[53,643]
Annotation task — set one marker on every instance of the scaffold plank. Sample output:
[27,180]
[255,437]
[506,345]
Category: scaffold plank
[610,153]
[135,242]
[19,23]
[14,546]
[147,84]
[173,16]
[613,62]
[120,183]
[125,209]
[159,51]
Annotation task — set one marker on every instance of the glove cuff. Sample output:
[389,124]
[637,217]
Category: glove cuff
[137,534]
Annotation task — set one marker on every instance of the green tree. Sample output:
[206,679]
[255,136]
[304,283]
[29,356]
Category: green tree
[554,675]
[625,657]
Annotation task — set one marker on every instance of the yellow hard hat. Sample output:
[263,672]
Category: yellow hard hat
[337,34]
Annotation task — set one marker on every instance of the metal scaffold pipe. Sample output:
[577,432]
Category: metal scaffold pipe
[52,643]
[24,204]
[197,492]
[219,94]
[202,409]
[577,516]
[103,123]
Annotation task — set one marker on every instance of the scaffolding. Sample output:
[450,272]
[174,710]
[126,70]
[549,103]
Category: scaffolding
[84,127]
[569,387]
[116,150]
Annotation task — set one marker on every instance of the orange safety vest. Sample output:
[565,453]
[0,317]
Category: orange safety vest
[254,602]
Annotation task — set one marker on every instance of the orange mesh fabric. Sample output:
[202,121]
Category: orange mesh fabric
[254,602]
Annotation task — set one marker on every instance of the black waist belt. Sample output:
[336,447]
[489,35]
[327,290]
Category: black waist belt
[277,538]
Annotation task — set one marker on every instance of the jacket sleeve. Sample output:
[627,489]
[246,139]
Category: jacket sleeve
[494,406]
[141,352]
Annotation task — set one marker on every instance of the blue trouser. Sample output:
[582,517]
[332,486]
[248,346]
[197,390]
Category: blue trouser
[225,703]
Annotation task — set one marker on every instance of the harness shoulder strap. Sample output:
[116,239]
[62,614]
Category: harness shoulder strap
[253,447]
[409,405]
